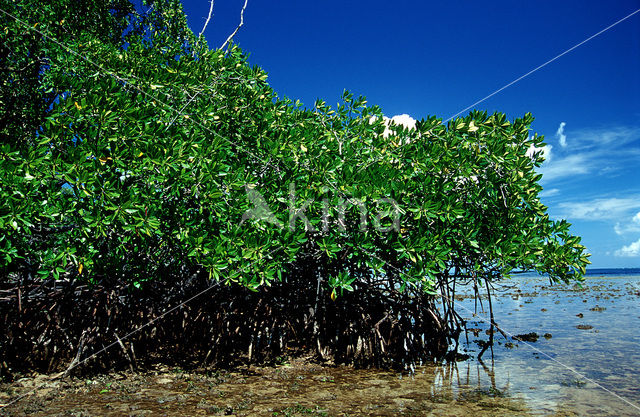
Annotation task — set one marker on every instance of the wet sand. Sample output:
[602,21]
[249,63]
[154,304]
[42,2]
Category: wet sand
[296,389]
[592,330]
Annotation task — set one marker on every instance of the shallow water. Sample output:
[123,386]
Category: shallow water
[297,389]
[591,363]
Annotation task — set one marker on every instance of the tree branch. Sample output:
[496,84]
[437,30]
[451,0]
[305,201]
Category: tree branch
[208,19]
[204,27]
[239,26]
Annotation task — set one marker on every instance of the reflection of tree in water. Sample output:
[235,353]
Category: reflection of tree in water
[466,381]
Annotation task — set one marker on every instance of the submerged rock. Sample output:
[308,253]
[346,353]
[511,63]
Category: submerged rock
[527,337]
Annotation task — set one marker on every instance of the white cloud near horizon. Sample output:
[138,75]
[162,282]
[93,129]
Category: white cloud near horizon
[624,229]
[614,135]
[562,138]
[404,120]
[400,120]
[632,250]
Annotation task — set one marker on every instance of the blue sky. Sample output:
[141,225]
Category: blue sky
[437,58]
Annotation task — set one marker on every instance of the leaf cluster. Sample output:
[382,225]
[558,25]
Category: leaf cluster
[127,149]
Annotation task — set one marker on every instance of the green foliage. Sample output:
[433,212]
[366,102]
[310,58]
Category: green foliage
[126,151]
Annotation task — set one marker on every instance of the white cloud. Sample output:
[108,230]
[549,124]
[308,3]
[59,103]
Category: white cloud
[404,120]
[630,251]
[400,119]
[546,152]
[615,135]
[591,152]
[565,167]
[631,227]
[624,229]
[549,193]
[611,171]
[600,208]
[619,229]
[561,136]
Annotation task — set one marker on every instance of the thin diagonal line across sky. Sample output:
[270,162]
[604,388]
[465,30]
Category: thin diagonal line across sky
[179,111]
[364,166]
[541,66]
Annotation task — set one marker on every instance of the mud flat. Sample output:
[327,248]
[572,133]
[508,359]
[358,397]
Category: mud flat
[583,360]
[299,388]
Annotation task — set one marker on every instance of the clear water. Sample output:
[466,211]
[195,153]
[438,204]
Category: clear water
[593,369]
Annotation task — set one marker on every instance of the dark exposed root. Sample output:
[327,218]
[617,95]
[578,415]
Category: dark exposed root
[50,325]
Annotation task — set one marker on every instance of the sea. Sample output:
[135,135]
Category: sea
[585,356]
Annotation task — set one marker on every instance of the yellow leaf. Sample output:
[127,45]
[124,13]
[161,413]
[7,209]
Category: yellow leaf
[77,105]
[80,269]
[104,160]
[140,154]
[333,295]
[304,148]
[472,127]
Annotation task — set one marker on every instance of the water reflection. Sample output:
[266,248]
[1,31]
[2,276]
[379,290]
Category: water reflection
[591,329]
[591,346]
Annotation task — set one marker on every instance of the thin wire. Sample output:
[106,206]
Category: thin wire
[116,76]
[267,163]
[524,342]
[132,332]
[542,66]
[362,167]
